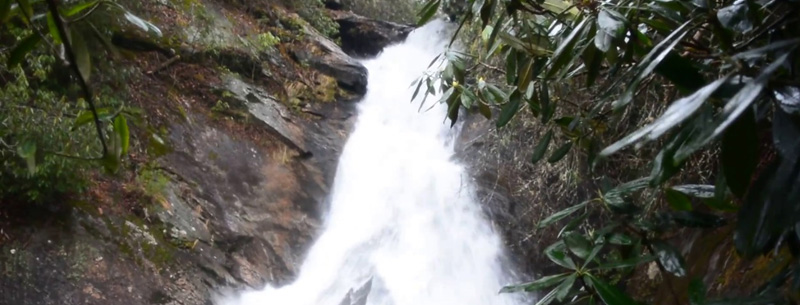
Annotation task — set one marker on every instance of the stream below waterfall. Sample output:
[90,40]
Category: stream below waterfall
[404,223]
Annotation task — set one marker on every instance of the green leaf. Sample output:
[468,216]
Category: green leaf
[740,153]
[75,9]
[428,11]
[578,244]
[593,57]
[677,200]
[539,284]
[611,25]
[631,262]
[416,91]
[564,288]
[83,58]
[557,253]
[511,67]
[509,109]
[561,7]
[608,293]
[670,259]
[541,148]
[26,7]
[697,292]
[629,187]
[681,72]
[548,298]
[485,110]
[491,44]
[696,219]
[121,129]
[742,100]
[560,152]
[23,48]
[145,25]
[561,214]
[111,162]
[696,190]
[617,238]
[27,151]
[87,116]
[677,113]
[157,145]
[548,108]
[650,62]
[51,26]
[735,17]
[5,10]
[563,53]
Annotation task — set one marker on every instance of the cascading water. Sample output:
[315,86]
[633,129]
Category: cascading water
[403,213]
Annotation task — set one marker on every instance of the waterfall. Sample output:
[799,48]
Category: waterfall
[403,217]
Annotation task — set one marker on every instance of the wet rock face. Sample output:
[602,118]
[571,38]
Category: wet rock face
[328,58]
[364,37]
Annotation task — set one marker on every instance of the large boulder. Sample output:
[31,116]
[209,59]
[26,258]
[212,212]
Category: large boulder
[365,37]
[328,58]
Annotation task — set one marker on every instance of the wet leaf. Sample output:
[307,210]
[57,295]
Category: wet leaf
[509,109]
[25,6]
[564,288]
[593,57]
[541,148]
[78,8]
[670,259]
[147,26]
[740,153]
[563,53]
[539,284]
[87,116]
[578,244]
[5,10]
[607,292]
[742,100]
[611,25]
[83,58]
[696,219]
[650,62]
[511,67]
[735,17]
[428,11]
[677,200]
[557,253]
[27,151]
[677,113]
[23,48]
[559,153]
[626,263]
[561,214]
[121,129]
[696,190]
[681,72]
[51,26]
[620,239]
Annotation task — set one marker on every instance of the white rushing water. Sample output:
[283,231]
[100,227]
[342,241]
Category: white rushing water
[403,212]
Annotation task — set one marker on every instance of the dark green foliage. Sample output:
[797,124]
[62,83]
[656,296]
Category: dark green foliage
[54,127]
[731,68]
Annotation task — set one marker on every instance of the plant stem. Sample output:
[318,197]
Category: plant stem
[87,92]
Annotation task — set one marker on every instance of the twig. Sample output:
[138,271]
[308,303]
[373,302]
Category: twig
[165,64]
[87,92]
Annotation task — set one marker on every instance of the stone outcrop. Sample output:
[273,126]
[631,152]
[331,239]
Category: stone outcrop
[327,57]
[365,37]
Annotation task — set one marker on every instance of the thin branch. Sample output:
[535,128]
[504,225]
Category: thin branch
[87,92]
